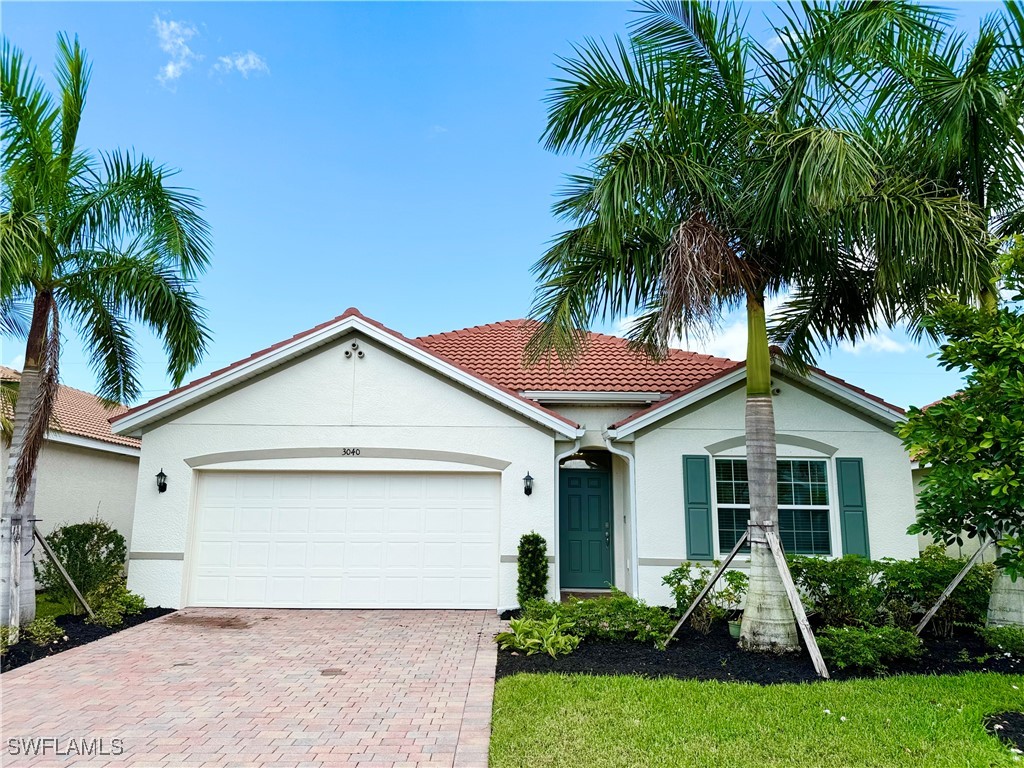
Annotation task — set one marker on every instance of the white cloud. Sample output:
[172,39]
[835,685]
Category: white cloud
[879,342]
[173,38]
[243,63]
[729,339]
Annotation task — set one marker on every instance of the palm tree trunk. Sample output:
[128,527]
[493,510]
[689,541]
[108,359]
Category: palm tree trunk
[1006,604]
[768,621]
[22,514]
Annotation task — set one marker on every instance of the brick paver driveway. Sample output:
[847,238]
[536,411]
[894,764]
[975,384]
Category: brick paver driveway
[230,687]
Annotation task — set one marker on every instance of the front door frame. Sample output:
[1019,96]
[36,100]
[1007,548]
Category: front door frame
[563,560]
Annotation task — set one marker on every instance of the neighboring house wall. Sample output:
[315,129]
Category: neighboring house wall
[76,484]
[801,416]
[324,400]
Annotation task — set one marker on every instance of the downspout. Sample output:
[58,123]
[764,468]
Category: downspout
[634,565]
[558,460]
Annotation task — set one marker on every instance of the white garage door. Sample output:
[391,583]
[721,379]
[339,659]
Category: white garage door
[351,540]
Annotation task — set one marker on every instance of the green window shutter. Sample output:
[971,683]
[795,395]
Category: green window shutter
[697,501]
[853,513]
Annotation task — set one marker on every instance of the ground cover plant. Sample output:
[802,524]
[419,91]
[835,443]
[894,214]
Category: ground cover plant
[617,617]
[863,613]
[910,722]
[56,628]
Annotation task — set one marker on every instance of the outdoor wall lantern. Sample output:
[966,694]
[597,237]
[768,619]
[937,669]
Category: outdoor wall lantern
[527,484]
[161,481]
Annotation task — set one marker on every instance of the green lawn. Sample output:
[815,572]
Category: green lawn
[561,720]
[47,607]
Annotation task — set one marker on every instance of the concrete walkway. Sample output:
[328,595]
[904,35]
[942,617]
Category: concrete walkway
[246,688]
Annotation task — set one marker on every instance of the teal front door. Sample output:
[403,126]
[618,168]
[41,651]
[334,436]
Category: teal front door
[585,528]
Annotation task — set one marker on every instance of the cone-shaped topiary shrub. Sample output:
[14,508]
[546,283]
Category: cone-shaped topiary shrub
[533,568]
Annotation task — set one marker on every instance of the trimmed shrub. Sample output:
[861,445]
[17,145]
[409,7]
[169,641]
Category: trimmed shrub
[616,617]
[43,631]
[533,568]
[687,581]
[93,554]
[112,601]
[867,648]
[1006,639]
[842,592]
[551,636]
[913,586]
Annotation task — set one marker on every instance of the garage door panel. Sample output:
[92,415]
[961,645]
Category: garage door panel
[217,520]
[346,540]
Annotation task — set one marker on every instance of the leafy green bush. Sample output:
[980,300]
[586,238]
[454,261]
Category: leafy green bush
[616,617]
[5,639]
[93,554]
[1006,639]
[842,592]
[689,579]
[550,636]
[867,648]
[112,601]
[533,568]
[43,631]
[913,586]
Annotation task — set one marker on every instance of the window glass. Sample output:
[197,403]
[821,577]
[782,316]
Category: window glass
[803,504]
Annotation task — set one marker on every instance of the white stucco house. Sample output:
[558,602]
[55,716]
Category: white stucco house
[350,466]
[85,471]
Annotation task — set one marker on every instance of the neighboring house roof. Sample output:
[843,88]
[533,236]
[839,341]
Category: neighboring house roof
[607,365]
[351,320]
[81,414]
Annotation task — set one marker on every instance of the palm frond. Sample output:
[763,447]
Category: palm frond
[72,72]
[111,289]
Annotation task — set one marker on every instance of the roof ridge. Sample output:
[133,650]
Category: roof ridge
[495,324]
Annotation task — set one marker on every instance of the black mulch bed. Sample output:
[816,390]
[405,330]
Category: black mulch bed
[1008,726]
[78,633]
[716,656]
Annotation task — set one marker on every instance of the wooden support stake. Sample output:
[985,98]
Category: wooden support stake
[794,600]
[64,573]
[952,585]
[707,587]
[14,632]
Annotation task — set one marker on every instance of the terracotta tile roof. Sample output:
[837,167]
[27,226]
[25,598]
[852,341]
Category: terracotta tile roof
[81,414]
[495,351]
[350,312]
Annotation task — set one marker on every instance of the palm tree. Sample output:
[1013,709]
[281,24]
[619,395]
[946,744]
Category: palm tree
[102,243]
[963,108]
[726,175]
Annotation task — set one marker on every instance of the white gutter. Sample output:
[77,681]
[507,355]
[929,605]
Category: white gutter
[558,515]
[94,444]
[634,560]
[591,398]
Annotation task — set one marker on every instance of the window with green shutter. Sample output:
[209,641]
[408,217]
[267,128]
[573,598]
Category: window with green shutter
[803,504]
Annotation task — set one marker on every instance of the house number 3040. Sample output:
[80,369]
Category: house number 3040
[349,451]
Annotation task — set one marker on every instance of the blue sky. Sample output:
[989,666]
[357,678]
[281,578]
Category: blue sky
[381,155]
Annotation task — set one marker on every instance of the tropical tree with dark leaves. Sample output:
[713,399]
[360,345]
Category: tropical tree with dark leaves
[725,174]
[100,243]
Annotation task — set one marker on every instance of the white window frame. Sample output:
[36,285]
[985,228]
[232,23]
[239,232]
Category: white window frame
[834,533]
